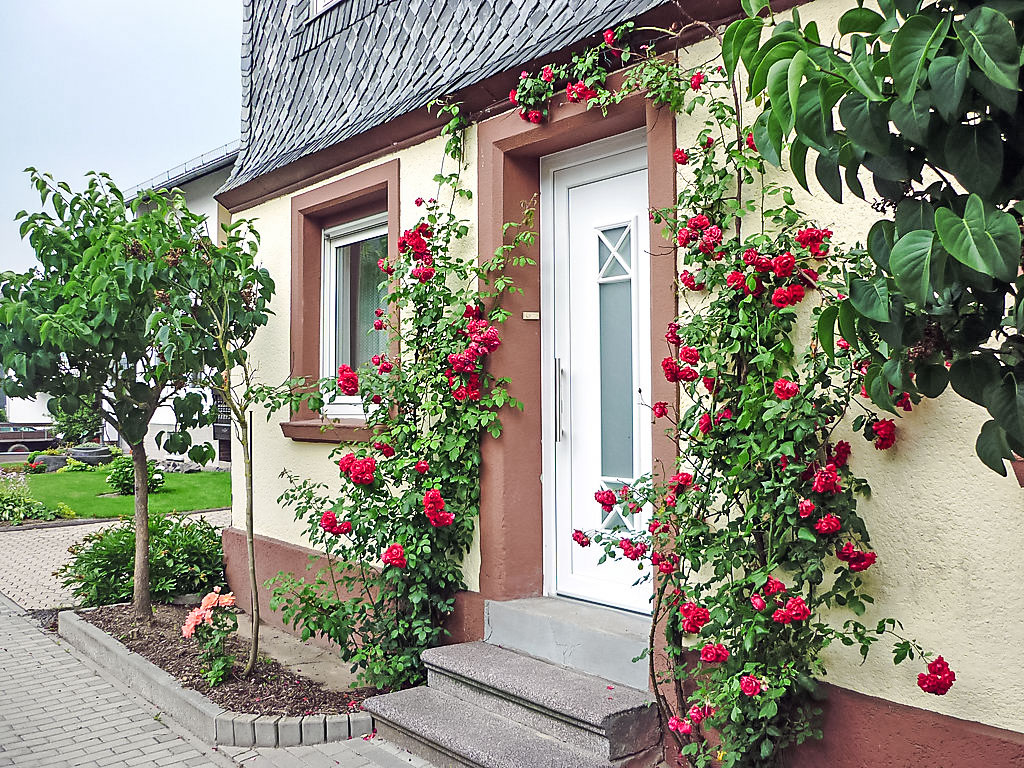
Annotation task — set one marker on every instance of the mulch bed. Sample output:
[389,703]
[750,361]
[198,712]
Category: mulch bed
[272,689]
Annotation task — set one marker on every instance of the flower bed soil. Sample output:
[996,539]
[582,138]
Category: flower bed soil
[272,689]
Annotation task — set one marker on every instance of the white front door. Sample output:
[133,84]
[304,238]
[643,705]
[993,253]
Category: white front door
[597,434]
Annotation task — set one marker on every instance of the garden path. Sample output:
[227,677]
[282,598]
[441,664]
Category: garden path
[29,556]
[59,711]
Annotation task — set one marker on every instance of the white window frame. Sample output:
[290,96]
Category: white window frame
[316,7]
[333,284]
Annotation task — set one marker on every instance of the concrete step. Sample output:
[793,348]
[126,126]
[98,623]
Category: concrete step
[611,720]
[594,639]
[452,733]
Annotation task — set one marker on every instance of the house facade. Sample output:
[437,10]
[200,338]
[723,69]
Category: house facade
[337,144]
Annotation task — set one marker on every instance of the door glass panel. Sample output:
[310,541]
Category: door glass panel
[616,329]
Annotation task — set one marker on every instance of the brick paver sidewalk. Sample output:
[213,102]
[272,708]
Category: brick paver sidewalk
[28,558]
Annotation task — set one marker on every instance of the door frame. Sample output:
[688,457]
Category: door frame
[629,141]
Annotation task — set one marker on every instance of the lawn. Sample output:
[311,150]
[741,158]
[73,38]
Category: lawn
[81,491]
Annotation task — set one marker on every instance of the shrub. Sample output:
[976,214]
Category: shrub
[185,557]
[122,476]
[212,627]
[35,467]
[74,465]
[77,427]
[16,504]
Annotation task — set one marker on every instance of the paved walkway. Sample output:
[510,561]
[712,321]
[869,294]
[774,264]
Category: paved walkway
[28,558]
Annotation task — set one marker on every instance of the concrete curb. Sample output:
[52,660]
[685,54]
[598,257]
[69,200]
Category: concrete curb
[93,521]
[195,712]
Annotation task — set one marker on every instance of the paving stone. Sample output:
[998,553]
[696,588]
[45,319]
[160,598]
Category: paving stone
[313,729]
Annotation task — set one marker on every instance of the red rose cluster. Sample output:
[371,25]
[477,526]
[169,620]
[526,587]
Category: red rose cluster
[750,685]
[826,481]
[415,242]
[795,610]
[329,523]
[828,524]
[483,339]
[632,550]
[689,282]
[858,560]
[665,563]
[714,654]
[660,409]
[581,538]
[786,389]
[359,471]
[813,239]
[433,507]
[694,617]
[348,381]
[939,680]
[680,157]
[385,449]
[607,499]
[885,434]
[700,230]
[788,296]
[697,80]
[394,555]
[579,92]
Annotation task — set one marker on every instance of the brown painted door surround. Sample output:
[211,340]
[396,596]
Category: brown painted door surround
[511,518]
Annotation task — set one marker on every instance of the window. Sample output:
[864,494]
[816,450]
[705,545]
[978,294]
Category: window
[316,7]
[353,288]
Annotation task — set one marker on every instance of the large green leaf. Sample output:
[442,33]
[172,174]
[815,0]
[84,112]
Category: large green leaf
[827,329]
[860,20]
[947,78]
[848,323]
[798,162]
[880,241]
[911,264]
[913,118]
[992,448]
[827,173]
[931,380]
[991,43]
[742,33]
[776,51]
[1005,401]
[912,214]
[870,299]
[913,46]
[782,108]
[768,135]
[866,123]
[985,239]
[974,153]
[970,376]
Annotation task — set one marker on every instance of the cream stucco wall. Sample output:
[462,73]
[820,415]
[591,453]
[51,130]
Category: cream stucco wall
[272,452]
[947,530]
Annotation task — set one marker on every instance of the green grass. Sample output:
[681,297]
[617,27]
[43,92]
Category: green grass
[81,491]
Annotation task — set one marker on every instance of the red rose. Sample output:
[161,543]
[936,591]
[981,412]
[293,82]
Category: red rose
[828,524]
[736,280]
[581,538]
[328,520]
[796,293]
[812,240]
[782,616]
[841,454]
[680,157]
[345,462]
[786,389]
[714,654]
[694,617]
[709,384]
[606,499]
[704,423]
[535,116]
[547,75]
[433,507]
[660,409]
[856,559]
[700,221]
[780,298]
[386,449]
[673,372]
[682,481]
[672,335]
[723,415]
[511,97]
[797,608]
[826,480]
[689,355]
[609,37]
[688,374]
[394,555]
[685,237]
[783,264]
[362,471]
[750,142]
[709,142]
[750,685]
[631,550]
[773,586]
[348,381]
[697,80]
[421,467]
[758,602]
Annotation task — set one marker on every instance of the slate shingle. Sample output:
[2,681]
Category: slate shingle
[310,84]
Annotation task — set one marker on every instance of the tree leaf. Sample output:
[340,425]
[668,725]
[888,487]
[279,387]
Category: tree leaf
[735,38]
[866,123]
[798,162]
[848,323]
[931,380]
[827,329]
[913,45]
[827,173]
[911,264]
[989,39]
[860,20]
[870,299]
[969,376]
[974,153]
[1004,399]
[986,240]
[947,78]
[913,118]
[779,51]
[880,242]
[992,448]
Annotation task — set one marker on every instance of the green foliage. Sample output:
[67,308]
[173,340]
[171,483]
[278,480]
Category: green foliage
[420,410]
[185,557]
[77,426]
[74,465]
[951,175]
[16,502]
[122,476]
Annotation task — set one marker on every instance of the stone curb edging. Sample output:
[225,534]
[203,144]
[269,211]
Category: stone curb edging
[207,720]
[92,521]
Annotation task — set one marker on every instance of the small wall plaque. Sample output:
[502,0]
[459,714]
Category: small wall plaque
[531,315]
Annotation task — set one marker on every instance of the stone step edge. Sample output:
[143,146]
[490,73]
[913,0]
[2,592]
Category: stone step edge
[437,748]
[540,709]
[207,720]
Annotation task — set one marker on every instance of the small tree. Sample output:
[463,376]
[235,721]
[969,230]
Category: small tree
[76,426]
[79,323]
[230,300]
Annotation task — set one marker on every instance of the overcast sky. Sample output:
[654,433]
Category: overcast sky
[127,87]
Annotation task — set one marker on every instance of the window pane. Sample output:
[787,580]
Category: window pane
[361,291]
[616,328]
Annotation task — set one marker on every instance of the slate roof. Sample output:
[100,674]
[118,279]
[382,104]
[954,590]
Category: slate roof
[310,83]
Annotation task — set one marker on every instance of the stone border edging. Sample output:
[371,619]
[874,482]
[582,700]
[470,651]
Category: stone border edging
[207,720]
[93,520]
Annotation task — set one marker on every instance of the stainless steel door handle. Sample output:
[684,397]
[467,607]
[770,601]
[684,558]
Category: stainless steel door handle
[558,399]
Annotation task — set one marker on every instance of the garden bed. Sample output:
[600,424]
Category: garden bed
[273,689]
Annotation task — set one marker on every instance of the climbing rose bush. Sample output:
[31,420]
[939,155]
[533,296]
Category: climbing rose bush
[400,520]
[754,545]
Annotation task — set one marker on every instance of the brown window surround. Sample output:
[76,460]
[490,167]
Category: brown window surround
[355,197]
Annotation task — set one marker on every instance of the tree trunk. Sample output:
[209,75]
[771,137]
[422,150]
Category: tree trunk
[141,603]
[254,597]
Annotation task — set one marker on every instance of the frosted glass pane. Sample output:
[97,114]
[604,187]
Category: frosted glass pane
[361,291]
[616,326]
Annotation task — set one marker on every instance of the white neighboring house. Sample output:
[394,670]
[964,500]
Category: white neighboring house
[198,179]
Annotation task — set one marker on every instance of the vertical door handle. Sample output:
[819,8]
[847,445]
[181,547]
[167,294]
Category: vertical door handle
[558,399]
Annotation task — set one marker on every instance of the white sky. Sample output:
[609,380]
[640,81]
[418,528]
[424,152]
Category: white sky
[131,88]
